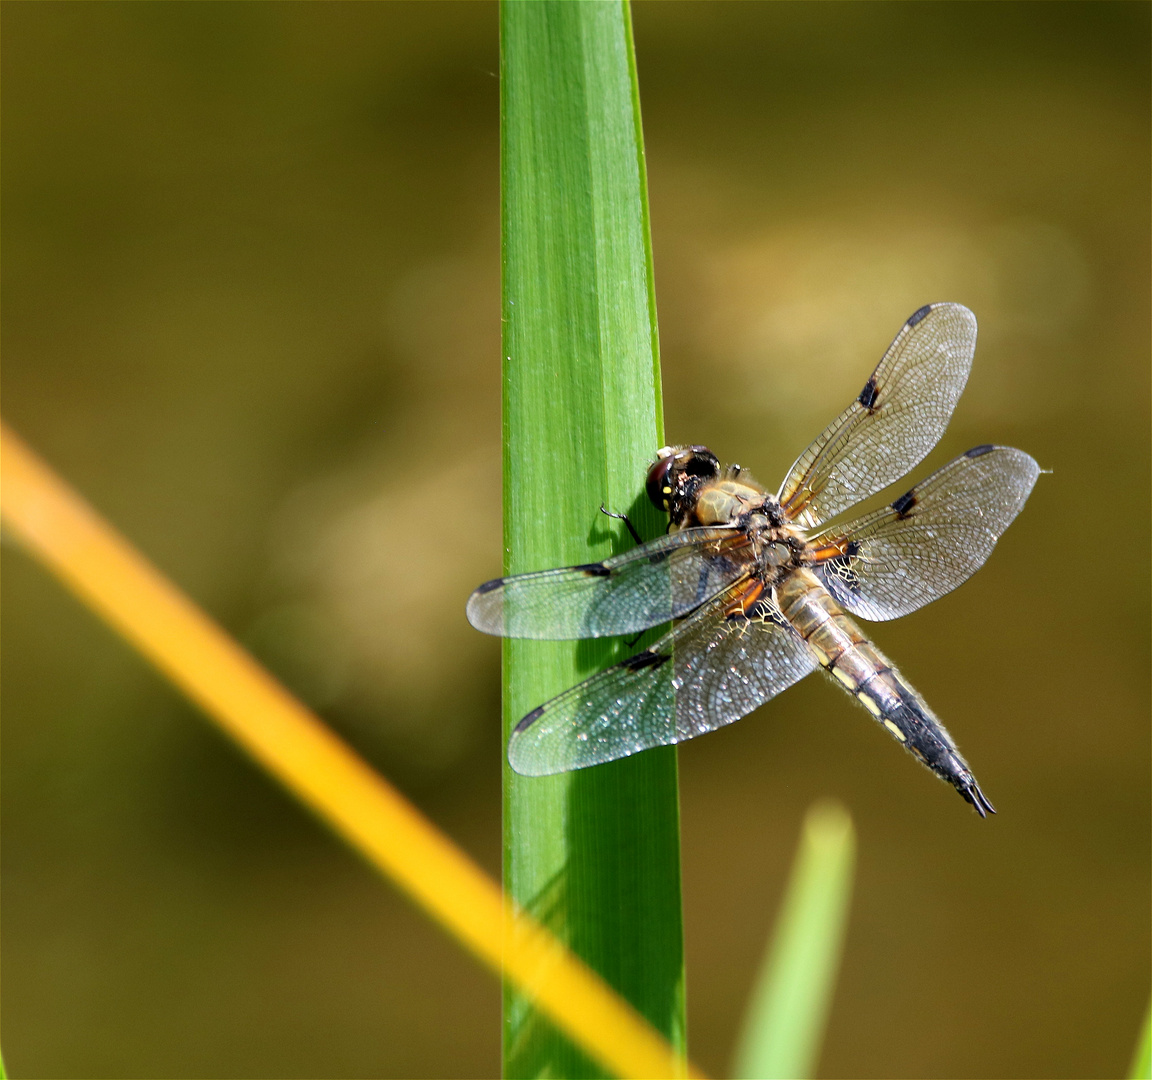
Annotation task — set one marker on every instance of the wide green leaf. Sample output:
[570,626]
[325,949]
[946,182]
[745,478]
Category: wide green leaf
[593,854]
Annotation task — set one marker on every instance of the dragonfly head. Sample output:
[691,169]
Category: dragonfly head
[676,478]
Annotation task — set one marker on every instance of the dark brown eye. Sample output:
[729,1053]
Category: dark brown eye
[659,484]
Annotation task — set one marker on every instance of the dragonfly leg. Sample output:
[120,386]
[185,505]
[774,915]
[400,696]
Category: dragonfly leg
[624,518]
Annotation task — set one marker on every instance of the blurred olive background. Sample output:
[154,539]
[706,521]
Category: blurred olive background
[251,285]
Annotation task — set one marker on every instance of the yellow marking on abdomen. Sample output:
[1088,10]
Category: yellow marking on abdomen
[821,656]
[894,729]
[854,665]
[845,678]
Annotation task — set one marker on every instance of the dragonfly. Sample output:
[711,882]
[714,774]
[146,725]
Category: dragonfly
[763,589]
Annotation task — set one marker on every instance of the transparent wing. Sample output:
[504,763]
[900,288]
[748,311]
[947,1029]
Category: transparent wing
[712,669]
[658,581]
[894,422]
[929,540]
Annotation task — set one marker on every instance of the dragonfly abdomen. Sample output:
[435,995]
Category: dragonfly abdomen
[850,657]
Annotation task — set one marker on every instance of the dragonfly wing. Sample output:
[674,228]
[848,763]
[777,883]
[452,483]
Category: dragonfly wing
[712,669]
[658,581]
[893,423]
[929,540]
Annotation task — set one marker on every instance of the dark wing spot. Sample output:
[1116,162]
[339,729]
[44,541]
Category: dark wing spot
[852,549]
[903,505]
[530,719]
[594,569]
[919,316]
[979,451]
[490,586]
[642,660]
[869,395]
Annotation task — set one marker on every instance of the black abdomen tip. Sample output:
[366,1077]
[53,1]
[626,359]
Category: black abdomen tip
[972,793]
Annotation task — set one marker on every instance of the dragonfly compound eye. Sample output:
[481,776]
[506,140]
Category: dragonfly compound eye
[659,483]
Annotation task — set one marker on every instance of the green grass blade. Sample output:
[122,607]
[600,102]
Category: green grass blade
[1142,1060]
[594,854]
[789,1006]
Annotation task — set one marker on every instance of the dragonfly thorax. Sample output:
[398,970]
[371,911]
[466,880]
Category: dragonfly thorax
[727,502]
[777,554]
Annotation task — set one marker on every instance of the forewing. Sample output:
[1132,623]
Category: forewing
[712,669]
[929,540]
[651,584]
[893,423]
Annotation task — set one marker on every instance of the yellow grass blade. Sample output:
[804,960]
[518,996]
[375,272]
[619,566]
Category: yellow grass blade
[108,574]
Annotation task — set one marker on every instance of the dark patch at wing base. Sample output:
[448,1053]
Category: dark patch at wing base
[839,575]
[643,660]
[594,569]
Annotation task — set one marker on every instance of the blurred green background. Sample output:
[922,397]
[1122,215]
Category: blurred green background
[251,309]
